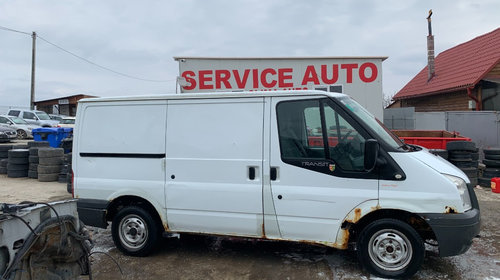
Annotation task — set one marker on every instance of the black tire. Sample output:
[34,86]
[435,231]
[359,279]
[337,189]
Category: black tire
[491,163]
[48,169]
[474,156]
[461,146]
[49,160]
[492,151]
[32,174]
[68,157]
[38,144]
[142,235]
[34,151]
[3,170]
[5,148]
[69,189]
[492,157]
[33,159]
[484,182]
[50,152]
[17,167]
[20,147]
[33,166]
[471,172]
[440,152]
[4,162]
[48,177]
[465,164]
[21,134]
[401,242]
[459,155]
[491,172]
[19,153]
[19,160]
[4,154]
[17,173]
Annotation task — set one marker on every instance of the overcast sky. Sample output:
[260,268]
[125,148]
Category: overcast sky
[139,38]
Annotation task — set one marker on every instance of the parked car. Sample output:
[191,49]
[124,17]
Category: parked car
[67,122]
[7,134]
[34,117]
[22,127]
[57,117]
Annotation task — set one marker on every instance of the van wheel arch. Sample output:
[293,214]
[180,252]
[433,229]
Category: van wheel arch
[415,221]
[121,202]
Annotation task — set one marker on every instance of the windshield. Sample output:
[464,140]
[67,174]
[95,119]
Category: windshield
[372,122]
[42,115]
[17,120]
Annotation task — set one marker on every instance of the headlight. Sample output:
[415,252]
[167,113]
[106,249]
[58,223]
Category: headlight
[462,190]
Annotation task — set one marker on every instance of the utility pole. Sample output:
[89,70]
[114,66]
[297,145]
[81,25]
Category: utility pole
[33,52]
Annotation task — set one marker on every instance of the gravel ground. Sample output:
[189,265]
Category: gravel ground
[197,257]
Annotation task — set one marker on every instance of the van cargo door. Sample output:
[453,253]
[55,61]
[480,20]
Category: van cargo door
[214,166]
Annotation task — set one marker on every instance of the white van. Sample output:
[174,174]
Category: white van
[305,166]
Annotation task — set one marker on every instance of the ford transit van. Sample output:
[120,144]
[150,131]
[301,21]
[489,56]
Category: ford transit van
[303,166]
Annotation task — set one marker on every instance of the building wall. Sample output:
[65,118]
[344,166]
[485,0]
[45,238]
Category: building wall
[495,71]
[450,101]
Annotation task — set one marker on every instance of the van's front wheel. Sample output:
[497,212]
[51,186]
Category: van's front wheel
[390,248]
[134,231]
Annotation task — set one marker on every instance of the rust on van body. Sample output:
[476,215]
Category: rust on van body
[450,210]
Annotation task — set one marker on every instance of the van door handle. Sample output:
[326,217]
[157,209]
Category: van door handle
[274,173]
[251,173]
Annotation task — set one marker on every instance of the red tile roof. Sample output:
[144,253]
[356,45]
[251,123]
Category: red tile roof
[457,68]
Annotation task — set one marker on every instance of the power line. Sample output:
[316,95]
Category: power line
[86,60]
[13,30]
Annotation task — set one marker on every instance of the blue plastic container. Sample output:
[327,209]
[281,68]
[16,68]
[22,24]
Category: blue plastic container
[53,135]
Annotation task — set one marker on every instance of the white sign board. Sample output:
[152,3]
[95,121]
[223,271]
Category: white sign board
[358,77]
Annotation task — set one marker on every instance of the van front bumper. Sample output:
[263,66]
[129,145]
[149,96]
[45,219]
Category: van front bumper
[454,232]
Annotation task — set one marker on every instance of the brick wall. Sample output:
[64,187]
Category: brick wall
[451,101]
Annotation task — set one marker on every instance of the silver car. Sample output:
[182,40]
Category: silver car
[7,134]
[22,128]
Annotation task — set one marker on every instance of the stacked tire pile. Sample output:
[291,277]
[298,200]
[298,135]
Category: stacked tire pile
[33,159]
[18,163]
[465,156]
[4,157]
[492,170]
[65,175]
[49,164]
[440,152]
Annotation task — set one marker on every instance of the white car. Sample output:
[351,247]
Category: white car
[22,128]
[34,117]
[67,122]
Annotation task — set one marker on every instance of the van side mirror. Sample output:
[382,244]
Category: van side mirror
[371,154]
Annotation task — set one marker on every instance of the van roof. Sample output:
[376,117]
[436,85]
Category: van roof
[216,95]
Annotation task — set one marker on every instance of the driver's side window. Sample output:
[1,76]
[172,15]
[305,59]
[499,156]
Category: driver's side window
[346,145]
[312,130]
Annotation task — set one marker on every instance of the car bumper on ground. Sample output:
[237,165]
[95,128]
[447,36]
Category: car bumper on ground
[92,212]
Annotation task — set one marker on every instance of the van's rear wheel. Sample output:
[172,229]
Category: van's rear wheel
[134,231]
[390,248]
